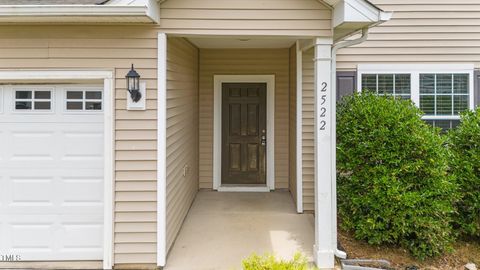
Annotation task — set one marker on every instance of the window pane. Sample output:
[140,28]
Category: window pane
[427,83]
[455,123]
[460,104]
[402,84]
[460,83]
[444,105]
[385,84]
[93,95]
[443,124]
[23,94]
[93,105]
[74,105]
[403,96]
[444,83]
[369,82]
[23,105]
[42,94]
[74,95]
[42,105]
[430,122]
[427,104]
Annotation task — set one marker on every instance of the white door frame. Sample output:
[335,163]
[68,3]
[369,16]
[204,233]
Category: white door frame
[62,76]
[217,131]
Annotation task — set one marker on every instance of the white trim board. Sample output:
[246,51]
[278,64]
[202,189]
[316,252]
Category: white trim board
[108,89]
[161,153]
[217,129]
[299,128]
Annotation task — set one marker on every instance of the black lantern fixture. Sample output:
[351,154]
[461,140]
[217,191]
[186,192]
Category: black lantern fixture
[133,84]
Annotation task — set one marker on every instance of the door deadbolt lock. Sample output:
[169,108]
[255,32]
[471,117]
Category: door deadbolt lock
[264,140]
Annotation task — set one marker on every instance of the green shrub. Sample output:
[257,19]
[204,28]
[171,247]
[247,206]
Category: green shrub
[393,186]
[464,142]
[269,262]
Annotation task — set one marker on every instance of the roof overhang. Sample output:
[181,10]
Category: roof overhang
[137,12]
[349,16]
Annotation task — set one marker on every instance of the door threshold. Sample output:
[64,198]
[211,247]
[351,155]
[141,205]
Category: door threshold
[243,188]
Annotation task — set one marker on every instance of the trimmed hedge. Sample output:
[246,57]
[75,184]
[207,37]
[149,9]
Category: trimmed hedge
[464,143]
[393,186]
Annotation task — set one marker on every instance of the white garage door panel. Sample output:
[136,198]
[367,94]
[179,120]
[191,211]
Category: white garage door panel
[51,195]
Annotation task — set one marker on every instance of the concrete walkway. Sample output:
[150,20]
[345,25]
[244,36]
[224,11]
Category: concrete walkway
[221,229]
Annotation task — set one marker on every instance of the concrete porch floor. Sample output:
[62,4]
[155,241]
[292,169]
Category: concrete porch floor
[222,229]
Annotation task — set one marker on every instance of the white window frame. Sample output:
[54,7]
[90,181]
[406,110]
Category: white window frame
[33,89]
[415,70]
[84,90]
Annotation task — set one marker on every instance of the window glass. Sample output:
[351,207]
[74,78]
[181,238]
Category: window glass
[402,84]
[93,95]
[427,83]
[397,85]
[23,105]
[93,105]
[444,94]
[84,100]
[33,100]
[369,82]
[385,84]
[74,105]
[460,84]
[441,95]
[42,94]
[42,105]
[23,94]
[74,95]
[444,124]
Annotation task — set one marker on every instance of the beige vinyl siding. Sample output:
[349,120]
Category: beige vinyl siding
[112,48]
[246,17]
[244,62]
[307,131]
[182,132]
[421,31]
[293,123]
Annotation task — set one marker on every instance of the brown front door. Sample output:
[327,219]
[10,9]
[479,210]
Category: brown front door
[244,124]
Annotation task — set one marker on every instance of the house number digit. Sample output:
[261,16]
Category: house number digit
[324,99]
[324,87]
[322,125]
[323,109]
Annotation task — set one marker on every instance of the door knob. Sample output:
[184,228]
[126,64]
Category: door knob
[264,140]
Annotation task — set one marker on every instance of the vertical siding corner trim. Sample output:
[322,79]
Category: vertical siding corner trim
[161,152]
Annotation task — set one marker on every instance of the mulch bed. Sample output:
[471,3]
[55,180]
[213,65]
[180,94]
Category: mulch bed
[466,251]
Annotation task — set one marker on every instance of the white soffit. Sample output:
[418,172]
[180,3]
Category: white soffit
[116,11]
[241,42]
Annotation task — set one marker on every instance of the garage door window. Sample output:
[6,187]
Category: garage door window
[33,100]
[84,100]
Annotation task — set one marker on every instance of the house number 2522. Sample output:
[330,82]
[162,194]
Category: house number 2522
[322,106]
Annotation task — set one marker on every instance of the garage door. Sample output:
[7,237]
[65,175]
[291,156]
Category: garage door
[51,164]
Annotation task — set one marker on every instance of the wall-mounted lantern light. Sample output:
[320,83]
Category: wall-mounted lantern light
[133,85]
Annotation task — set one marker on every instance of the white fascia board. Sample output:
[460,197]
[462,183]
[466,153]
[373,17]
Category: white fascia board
[357,11]
[153,6]
[15,11]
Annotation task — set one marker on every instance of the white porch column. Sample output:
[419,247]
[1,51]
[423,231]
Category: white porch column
[324,143]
